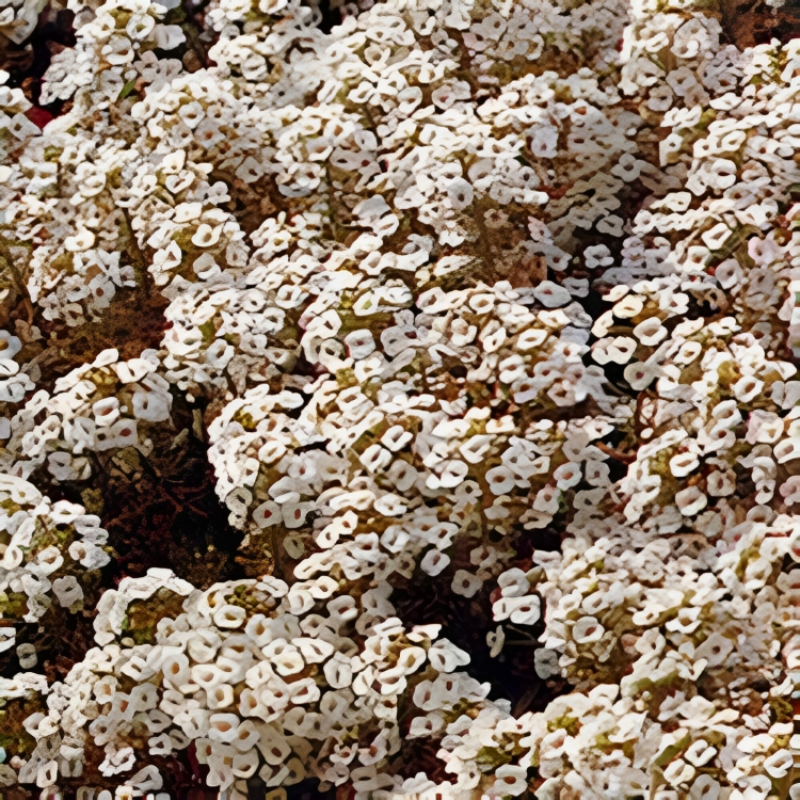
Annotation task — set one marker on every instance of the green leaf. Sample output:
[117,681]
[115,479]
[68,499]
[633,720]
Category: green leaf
[126,90]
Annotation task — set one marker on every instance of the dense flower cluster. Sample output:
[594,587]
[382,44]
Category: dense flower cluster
[48,548]
[236,675]
[438,283]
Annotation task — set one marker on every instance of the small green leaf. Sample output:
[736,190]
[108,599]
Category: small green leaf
[126,90]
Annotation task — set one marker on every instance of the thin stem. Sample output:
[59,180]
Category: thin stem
[136,254]
[6,255]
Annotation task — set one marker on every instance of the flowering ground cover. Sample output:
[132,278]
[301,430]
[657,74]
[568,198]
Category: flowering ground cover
[399,400]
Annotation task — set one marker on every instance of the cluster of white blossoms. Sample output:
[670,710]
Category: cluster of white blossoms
[47,551]
[396,450]
[439,282]
[104,406]
[256,683]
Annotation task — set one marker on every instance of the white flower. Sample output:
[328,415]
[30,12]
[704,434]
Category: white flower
[650,332]
[465,584]
[511,780]
[501,480]
[434,562]
[683,463]
[551,295]
[691,501]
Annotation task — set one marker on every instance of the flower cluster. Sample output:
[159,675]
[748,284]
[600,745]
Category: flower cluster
[94,411]
[408,450]
[262,678]
[49,551]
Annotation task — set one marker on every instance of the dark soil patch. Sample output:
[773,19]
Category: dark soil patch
[133,322]
[162,511]
[747,23]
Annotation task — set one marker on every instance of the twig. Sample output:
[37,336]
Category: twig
[136,254]
[5,253]
[617,455]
